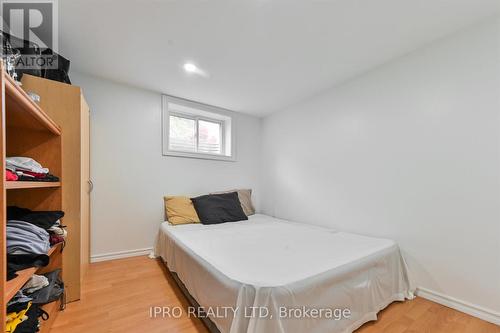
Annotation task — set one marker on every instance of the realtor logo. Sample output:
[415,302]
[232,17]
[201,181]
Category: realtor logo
[30,32]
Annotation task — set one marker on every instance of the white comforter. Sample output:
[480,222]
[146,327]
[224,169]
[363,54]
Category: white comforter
[272,272]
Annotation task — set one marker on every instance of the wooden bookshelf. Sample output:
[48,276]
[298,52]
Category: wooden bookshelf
[26,130]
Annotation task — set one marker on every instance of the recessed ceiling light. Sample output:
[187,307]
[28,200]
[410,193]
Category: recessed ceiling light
[190,68]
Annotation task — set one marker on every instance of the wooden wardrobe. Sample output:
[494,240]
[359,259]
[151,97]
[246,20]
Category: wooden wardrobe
[66,105]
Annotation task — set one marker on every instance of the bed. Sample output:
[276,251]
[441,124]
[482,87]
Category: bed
[271,275]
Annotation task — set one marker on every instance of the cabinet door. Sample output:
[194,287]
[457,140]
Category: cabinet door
[86,188]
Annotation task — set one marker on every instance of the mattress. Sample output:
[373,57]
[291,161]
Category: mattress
[271,275]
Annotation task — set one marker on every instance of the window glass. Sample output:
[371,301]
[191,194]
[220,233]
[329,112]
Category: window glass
[209,137]
[182,134]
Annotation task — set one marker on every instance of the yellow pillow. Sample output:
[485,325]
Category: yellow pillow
[180,210]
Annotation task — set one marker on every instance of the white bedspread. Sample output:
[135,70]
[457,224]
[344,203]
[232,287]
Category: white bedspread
[265,267]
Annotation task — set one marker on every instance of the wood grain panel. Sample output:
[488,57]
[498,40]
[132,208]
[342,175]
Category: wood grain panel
[36,198]
[17,185]
[3,200]
[44,147]
[85,187]
[63,103]
[23,112]
[53,310]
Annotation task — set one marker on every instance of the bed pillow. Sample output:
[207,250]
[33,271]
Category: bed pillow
[219,208]
[245,196]
[180,210]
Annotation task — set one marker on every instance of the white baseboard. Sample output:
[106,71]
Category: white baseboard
[462,306]
[120,254]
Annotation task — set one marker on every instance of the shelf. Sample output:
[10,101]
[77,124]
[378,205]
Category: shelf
[14,185]
[23,112]
[13,286]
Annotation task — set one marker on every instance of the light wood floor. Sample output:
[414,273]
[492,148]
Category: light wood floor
[117,296]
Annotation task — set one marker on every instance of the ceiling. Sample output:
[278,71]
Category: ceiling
[261,55]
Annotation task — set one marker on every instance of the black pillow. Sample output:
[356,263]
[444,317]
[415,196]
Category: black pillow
[219,208]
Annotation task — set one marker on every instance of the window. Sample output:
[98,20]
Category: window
[196,130]
[182,134]
[209,137]
[194,134]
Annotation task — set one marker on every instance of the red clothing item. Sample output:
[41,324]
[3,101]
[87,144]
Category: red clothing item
[56,239]
[34,174]
[10,176]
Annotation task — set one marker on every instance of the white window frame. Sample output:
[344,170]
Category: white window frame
[174,106]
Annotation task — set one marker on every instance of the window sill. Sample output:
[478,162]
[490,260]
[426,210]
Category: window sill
[202,156]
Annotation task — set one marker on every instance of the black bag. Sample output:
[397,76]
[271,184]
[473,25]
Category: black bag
[29,50]
[61,73]
[32,52]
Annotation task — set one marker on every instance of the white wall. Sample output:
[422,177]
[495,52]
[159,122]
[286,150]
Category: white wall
[409,151]
[130,174]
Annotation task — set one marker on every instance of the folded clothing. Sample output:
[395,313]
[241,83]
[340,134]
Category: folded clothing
[17,301]
[24,176]
[56,239]
[29,237]
[35,283]
[10,176]
[33,174]
[17,262]
[58,229]
[11,273]
[52,292]
[42,219]
[25,164]
[27,169]
[26,238]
